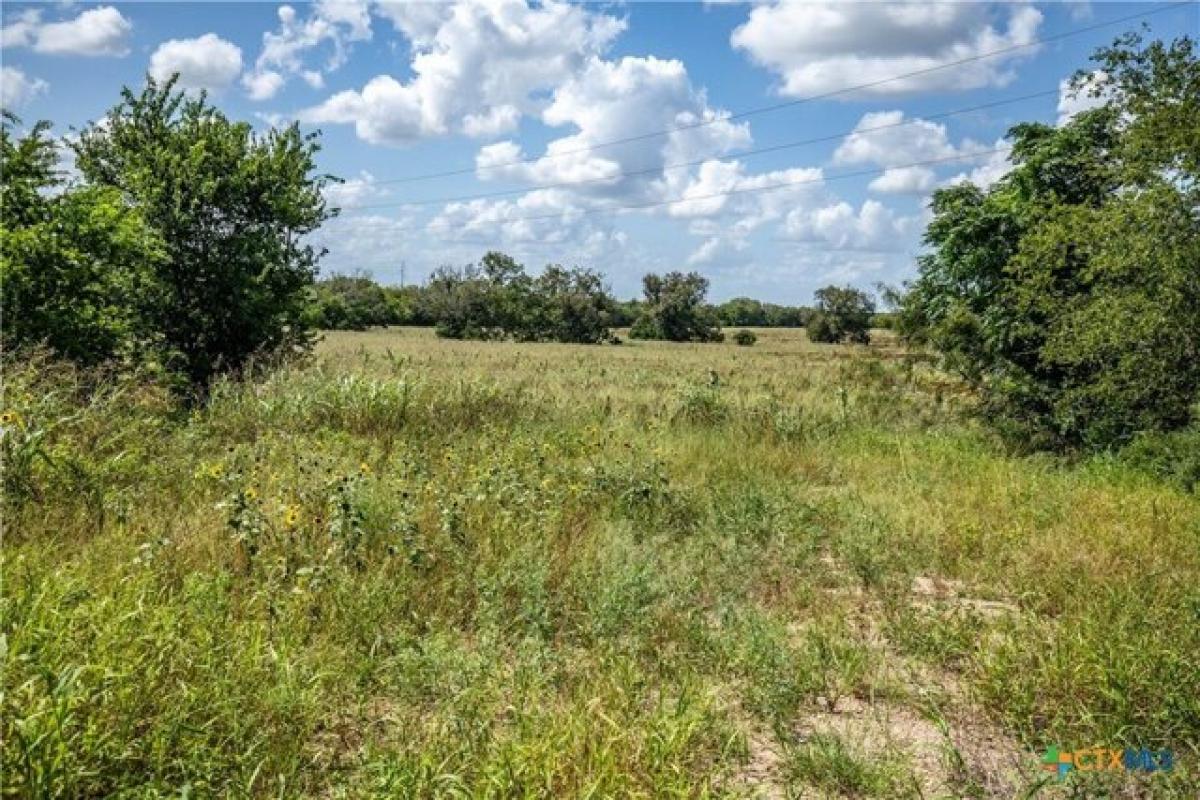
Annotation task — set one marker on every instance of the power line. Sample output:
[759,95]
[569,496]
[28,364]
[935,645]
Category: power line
[585,212]
[798,101]
[682,165]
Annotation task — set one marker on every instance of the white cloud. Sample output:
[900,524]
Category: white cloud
[886,138]
[619,101]
[719,250]
[904,180]
[262,85]
[374,243]
[994,167]
[102,31]
[838,226]
[333,25]
[819,47]
[476,68]
[1090,95]
[17,89]
[207,62]
[22,31]
[354,191]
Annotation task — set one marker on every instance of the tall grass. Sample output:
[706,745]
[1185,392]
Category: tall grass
[420,568]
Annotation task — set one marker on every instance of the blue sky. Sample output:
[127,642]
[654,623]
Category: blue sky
[527,99]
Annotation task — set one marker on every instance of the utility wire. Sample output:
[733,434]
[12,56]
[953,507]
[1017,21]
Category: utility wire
[801,100]
[683,165]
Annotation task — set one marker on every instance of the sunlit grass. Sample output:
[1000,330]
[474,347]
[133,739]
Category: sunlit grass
[416,567]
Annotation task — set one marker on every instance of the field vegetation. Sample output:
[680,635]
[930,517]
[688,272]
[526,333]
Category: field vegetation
[417,566]
[558,545]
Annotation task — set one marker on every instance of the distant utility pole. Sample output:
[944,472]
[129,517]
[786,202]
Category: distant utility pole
[403,264]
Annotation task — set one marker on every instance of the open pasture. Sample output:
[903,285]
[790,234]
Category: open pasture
[416,567]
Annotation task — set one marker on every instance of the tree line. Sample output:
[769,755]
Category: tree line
[497,299]
[1067,294]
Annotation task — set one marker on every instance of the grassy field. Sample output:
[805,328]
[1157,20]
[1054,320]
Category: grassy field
[416,567]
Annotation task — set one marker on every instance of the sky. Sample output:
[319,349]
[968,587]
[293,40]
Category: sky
[775,147]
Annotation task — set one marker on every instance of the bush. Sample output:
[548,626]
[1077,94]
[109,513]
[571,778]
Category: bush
[843,314]
[820,329]
[744,338]
[1174,456]
[497,300]
[674,310]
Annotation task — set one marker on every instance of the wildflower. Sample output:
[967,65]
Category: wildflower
[216,470]
[10,418]
[291,517]
[364,468]
[250,493]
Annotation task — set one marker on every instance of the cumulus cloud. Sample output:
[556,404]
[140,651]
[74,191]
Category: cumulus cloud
[904,180]
[374,243]
[886,138]
[1090,95]
[17,89]
[476,68]
[819,47]
[331,27]
[354,191]
[206,62]
[584,172]
[101,31]
[873,226]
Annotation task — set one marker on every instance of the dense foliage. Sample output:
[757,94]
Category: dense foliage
[496,299]
[358,302]
[229,209]
[76,265]
[745,311]
[1069,292]
[843,314]
[675,310]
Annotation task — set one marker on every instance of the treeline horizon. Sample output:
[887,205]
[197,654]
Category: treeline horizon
[357,300]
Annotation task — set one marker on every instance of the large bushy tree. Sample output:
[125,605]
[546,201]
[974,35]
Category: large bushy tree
[675,310]
[1069,292]
[231,208]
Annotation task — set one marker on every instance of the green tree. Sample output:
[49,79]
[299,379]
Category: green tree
[497,300]
[232,209]
[843,314]
[575,306]
[675,310]
[1069,292]
[76,264]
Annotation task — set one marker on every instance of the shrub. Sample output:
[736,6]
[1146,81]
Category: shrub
[497,300]
[745,338]
[820,329]
[674,310]
[843,314]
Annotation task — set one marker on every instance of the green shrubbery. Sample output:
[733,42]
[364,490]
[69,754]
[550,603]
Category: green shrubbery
[744,338]
[127,264]
[1069,292]
[843,314]
[674,310]
[498,300]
